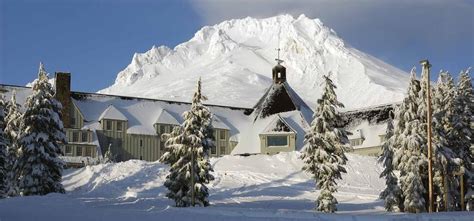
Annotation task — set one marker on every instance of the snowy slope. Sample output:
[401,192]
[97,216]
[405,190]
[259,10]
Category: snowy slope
[259,187]
[235,59]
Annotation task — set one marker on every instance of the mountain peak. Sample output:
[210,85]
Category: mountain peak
[235,58]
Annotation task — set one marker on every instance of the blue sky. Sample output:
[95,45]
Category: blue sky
[96,39]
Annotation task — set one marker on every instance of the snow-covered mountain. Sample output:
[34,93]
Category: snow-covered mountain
[235,58]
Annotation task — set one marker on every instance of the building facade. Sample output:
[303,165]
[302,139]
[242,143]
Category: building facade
[132,127]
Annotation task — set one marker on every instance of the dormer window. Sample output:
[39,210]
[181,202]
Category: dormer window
[277,141]
[119,126]
[112,113]
[222,135]
[108,125]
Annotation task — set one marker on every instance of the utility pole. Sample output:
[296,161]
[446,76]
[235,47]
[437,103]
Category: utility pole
[426,72]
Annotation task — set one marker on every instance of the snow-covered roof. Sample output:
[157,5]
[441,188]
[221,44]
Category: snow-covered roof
[141,115]
[369,133]
[218,123]
[112,113]
[166,118]
[273,126]
[273,98]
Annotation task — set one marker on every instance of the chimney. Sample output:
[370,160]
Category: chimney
[63,95]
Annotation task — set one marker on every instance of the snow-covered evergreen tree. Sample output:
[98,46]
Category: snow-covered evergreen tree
[12,124]
[392,194]
[462,128]
[409,145]
[187,147]
[444,161]
[172,143]
[3,151]
[39,167]
[324,156]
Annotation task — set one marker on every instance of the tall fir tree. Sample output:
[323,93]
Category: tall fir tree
[409,144]
[324,156]
[392,194]
[3,151]
[12,124]
[188,157]
[444,161]
[462,126]
[39,167]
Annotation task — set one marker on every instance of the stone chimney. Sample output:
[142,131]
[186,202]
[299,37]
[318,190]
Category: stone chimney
[63,95]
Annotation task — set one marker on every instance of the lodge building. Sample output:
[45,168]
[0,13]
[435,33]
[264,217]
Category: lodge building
[132,126]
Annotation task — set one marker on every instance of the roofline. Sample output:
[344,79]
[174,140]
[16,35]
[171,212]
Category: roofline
[368,108]
[214,105]
[141,98]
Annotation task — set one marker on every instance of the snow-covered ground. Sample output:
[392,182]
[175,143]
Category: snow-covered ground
[257,187]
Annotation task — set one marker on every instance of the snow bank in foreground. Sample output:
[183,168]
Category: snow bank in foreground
[257,187]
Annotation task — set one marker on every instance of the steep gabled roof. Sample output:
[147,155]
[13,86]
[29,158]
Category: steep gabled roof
[166,118]
[112,113]
[280,97]
[278,125]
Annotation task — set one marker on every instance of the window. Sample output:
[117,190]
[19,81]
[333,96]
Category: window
[84,136]
[141,143]
[278,141]
[119,126]
[108,125]
[222,135]
[162,129]
[88,151]
[213,150]
[75,136]
[78,151]
[222,150]
[68,150]
[356,142]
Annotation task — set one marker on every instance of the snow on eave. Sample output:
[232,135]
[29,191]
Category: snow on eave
[369,108]
[82,94]
[141,130]
[112,113]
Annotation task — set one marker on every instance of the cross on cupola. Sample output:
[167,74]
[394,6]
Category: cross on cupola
[279,71]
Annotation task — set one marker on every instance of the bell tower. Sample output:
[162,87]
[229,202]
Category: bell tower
[279,71]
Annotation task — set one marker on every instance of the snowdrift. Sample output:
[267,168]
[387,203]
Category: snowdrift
[258,187]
